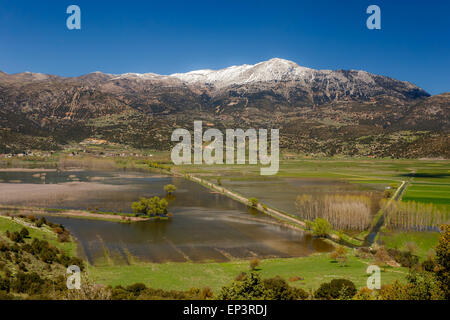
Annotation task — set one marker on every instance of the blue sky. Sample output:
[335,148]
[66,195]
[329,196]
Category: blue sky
[178,36]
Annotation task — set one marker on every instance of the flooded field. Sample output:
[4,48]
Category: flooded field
[281,193]
[206,226]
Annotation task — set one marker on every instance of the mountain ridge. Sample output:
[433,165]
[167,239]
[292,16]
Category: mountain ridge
[274,69]
[321,111]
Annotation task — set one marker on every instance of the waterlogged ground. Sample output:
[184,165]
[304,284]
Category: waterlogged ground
[206,226]
[281,193]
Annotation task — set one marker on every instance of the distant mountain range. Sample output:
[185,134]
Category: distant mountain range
[317,111]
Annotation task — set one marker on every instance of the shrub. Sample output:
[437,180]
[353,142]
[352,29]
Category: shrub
[16,237]
[58,230]
[252,287]
[382,257]
[278,289]
[29,283]
[4,284]
[206,293]
[404,258]
[336,289]
[364,294]
[41,222]
[24,233]
[388,193]
[411,247]
[339,254]
[254,263]
[64,237]
[428,265]
[136,288]
[3,247]
[241,276]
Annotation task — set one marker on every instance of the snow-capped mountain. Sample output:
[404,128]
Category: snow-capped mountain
[285,78]
[314,109]
[272,70]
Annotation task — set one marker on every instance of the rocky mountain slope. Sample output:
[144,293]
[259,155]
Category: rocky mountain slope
[317,111]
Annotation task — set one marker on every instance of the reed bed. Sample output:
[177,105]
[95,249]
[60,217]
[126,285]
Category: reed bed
[415,216]
[344,212]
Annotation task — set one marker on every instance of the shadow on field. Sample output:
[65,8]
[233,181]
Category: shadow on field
[438,175]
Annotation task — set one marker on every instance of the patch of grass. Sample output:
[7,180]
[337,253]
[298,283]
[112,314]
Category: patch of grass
[425,241]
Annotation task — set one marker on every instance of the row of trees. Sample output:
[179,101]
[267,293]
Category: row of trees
[416,216]
[345,212]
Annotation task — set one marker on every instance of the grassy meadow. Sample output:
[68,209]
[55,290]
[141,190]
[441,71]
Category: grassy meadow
[314,270]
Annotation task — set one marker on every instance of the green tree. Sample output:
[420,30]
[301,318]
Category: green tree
[252,287]
[170,188]
[151,206]
[321,227]
[423,286]
[253,202]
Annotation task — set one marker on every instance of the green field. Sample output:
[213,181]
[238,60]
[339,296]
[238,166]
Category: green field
[314,269]
[437,193]
[380,172]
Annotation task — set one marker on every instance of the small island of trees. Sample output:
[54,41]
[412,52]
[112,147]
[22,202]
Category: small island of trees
[170,188]
[151,207]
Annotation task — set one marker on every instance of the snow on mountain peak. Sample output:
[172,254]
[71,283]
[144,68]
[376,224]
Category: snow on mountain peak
[275,69]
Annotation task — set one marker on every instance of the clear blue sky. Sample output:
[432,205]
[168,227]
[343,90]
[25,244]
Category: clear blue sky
[178,36]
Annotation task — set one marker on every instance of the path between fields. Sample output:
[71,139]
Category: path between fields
[369,240]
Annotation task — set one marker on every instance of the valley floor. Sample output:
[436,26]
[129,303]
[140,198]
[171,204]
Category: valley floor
[430,180]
